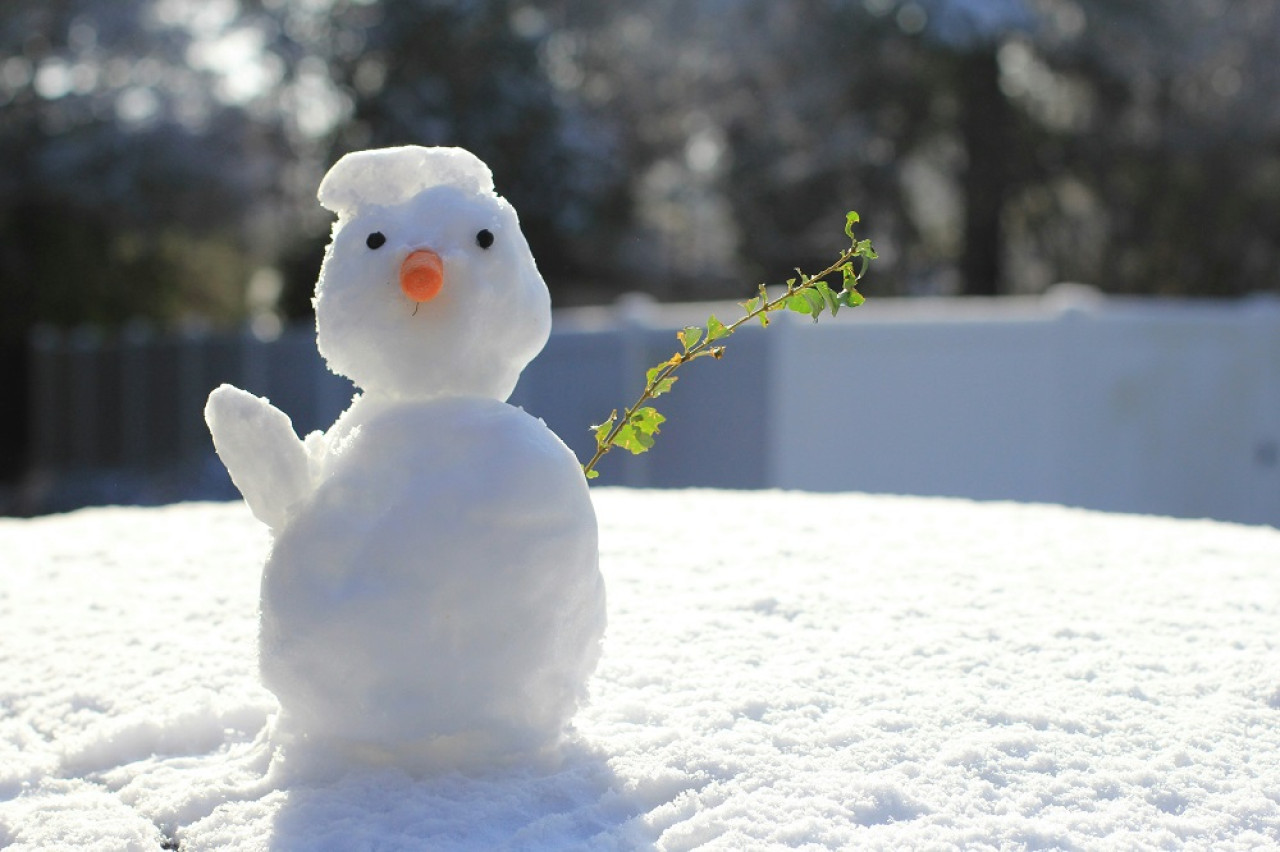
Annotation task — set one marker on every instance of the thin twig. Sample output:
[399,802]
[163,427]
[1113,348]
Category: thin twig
[660,378]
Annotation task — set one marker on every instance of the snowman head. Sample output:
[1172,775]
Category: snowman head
[428,287]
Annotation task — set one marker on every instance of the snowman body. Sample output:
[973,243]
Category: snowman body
[462,610]
[433,593]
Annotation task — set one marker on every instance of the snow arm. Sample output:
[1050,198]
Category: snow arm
[256,442]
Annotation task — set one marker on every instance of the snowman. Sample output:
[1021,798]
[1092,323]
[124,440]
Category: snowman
[433,594]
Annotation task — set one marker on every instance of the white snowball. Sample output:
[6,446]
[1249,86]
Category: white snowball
[438,599]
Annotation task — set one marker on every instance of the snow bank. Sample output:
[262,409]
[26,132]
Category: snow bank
[780,670]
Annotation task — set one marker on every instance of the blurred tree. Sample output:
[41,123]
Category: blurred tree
[1004,145]
[751,126]
[159,151]
[159,148]
[1101,135]
[480,75]
[659,79]
[997,146]
[1160,174]
[127,180]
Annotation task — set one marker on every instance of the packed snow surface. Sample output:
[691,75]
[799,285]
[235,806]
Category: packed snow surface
[432,595]
[780,670]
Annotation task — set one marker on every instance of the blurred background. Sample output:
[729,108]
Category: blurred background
[159,233]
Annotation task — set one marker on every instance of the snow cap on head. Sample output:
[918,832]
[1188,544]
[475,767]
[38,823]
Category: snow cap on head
[388,176]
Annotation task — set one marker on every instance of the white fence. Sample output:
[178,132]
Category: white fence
[1141,406]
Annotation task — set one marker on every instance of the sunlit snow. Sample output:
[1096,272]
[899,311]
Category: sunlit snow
[780,670]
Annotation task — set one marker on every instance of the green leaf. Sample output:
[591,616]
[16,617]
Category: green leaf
[593,473]
[851,298]
[716,329]
[764,320]
[828,296]
[647,420]
[689,337]
[637,433]
[657,387]
[864,249]
[602,431]
[807,301]
[629,438]
[850,219]
[653,372]
[798,303]
[751,305]
[849,277]
[663,386]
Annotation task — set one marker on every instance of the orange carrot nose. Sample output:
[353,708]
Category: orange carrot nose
[422,275]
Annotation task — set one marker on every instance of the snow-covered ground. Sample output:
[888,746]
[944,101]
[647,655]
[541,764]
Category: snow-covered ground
[780,670]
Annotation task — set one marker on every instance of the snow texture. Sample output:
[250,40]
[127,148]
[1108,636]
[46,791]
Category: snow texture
[432,596]
[438,597]
[781,670]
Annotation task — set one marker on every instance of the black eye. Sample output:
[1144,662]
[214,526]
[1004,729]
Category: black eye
[375,240]
[484,239]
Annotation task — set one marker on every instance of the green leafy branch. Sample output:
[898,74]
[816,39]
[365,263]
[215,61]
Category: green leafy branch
[806,294]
